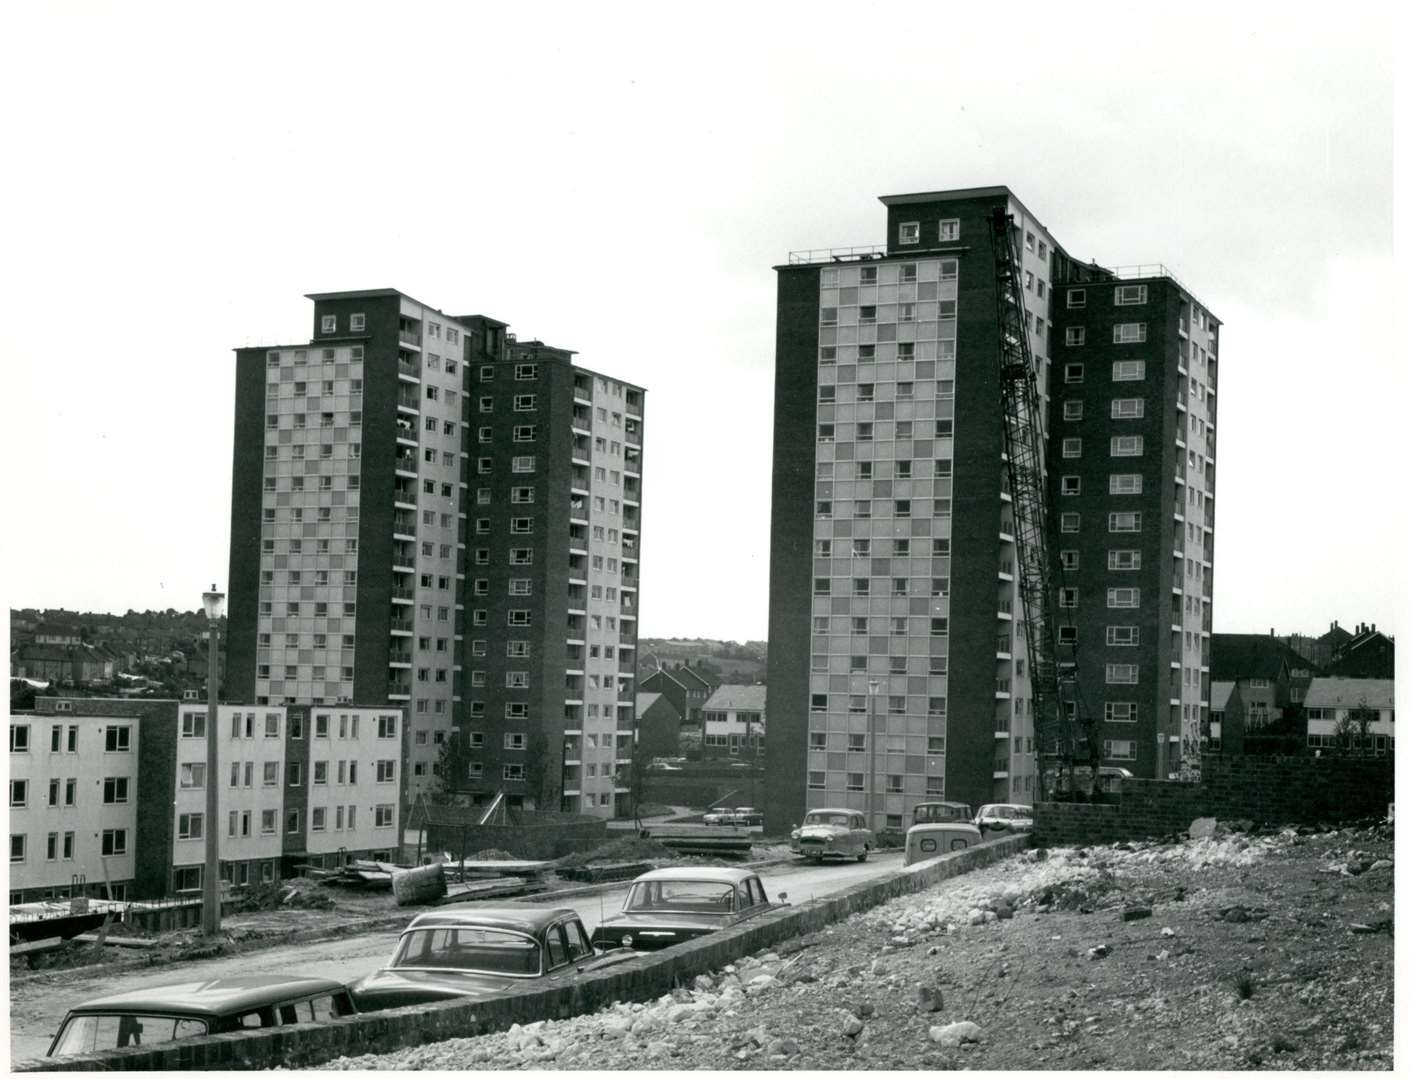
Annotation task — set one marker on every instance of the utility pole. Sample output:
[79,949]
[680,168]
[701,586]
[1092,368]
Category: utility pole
[210,877]
[872,687]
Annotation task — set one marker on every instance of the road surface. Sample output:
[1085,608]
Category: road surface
[37,1007]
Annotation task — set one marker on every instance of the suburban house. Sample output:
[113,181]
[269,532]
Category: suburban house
[685,687]
[658,725]
[1357,715]
[1226,726]
[1369,654]
[734,722]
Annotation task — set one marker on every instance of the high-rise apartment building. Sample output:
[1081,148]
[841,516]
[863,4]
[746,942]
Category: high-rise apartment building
[405,502]
[892,544]
[1132,477]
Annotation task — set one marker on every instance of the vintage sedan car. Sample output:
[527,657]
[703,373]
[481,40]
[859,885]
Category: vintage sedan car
[477,951]
[1002,817]
[832,834]
[678,903]
[162,1014]
[938,828]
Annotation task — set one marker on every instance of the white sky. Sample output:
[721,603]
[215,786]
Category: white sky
[620,181]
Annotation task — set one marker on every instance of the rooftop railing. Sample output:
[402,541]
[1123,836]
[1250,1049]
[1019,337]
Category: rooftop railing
[843,254]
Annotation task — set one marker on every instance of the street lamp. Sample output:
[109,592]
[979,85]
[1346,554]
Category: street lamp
[872,687]
[213,602]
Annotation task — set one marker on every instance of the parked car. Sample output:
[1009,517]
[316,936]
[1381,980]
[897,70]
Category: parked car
[663,766]
[678,903]
[163,1014]
[1004,816]
[937,828]
[477,951]
[832,833]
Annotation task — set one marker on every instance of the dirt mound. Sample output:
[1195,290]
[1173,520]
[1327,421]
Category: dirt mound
[626,849]
[492,854]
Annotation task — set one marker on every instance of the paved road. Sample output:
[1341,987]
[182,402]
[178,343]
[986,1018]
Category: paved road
[38,1007]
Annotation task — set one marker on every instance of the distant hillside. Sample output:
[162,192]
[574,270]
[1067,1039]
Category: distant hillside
[729,660]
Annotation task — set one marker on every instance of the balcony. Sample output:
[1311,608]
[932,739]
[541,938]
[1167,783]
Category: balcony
[400,658]
[399,624]
[409,332]
[404,525]
[408,366]
[401,594]
[409,402]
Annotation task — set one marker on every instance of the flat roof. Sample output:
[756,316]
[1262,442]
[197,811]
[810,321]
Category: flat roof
[730,874]
[527,919]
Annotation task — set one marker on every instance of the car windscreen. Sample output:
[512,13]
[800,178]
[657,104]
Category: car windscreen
[826,819]
[468,949]
[112,1031]
[925,814]
[685,895]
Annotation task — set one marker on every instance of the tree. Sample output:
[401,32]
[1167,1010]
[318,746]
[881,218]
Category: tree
[1354,727]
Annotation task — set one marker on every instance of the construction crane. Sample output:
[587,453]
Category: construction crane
[1062,724]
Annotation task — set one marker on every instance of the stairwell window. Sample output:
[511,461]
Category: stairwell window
[1124,521]
[909,232]
[1123,635]
[1120,712]
[1126,446]
[1128,370]
[1075,335]
[1129,294]
[1131,333]
[1124,484]
[1124,597]
[1121,674]
[949,230]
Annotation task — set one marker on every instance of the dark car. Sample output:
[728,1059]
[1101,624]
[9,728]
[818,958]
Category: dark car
[678,903]
[477,951]
[164,1014]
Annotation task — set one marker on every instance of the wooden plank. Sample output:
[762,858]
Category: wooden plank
[120,942]
[40,946]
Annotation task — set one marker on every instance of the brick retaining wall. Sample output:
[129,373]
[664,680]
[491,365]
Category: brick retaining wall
[641,979]
[1282,790]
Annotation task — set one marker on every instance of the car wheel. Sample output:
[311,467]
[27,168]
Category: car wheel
[862,855]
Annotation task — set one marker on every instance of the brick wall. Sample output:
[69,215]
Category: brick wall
[1275,790]
[642,979]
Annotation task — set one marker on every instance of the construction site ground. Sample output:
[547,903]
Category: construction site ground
[349,910]
[1266,949]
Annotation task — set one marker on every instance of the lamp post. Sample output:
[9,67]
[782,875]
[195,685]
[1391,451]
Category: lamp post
[872,687]
[210,878]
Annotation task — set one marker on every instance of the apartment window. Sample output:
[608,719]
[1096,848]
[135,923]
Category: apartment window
[1072,448]
[526,372]
[521,525]
[1118,559]
[1128,408]
[1130,333]
[386,771]
[1128,370]
[1072,373]
[193,775]
[1124,597]
[114,789]
[1077,298]
[1068,635]
[1071,485]
[1124,484]
[512,772]
[1121,674]
[1120,712]
[1124,521]
[1075,335]
[940,627]
[114,842]
[1068,522]
[19,738]
[1126,446]
[949,230]
[328,324]
[19,792]
[1129,294]
[524,403]
[1123,635]
[1068,559]
[1119,749]
[909,232]
[1068,598]
[193,725]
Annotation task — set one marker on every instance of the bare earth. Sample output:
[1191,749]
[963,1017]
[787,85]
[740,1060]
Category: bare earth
[1268,950]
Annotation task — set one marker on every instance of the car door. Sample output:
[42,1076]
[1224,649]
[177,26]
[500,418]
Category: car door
[759,902]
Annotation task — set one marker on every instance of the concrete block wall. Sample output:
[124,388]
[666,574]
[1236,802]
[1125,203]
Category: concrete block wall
[642,979]
[1276,790]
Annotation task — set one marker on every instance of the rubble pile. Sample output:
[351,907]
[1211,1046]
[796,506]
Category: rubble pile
[1240,948]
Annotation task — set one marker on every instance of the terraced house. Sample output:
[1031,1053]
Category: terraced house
[901,672]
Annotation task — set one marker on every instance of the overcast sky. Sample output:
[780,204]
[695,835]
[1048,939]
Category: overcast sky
[620,181]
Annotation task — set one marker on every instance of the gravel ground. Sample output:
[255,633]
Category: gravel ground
[1231,952]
